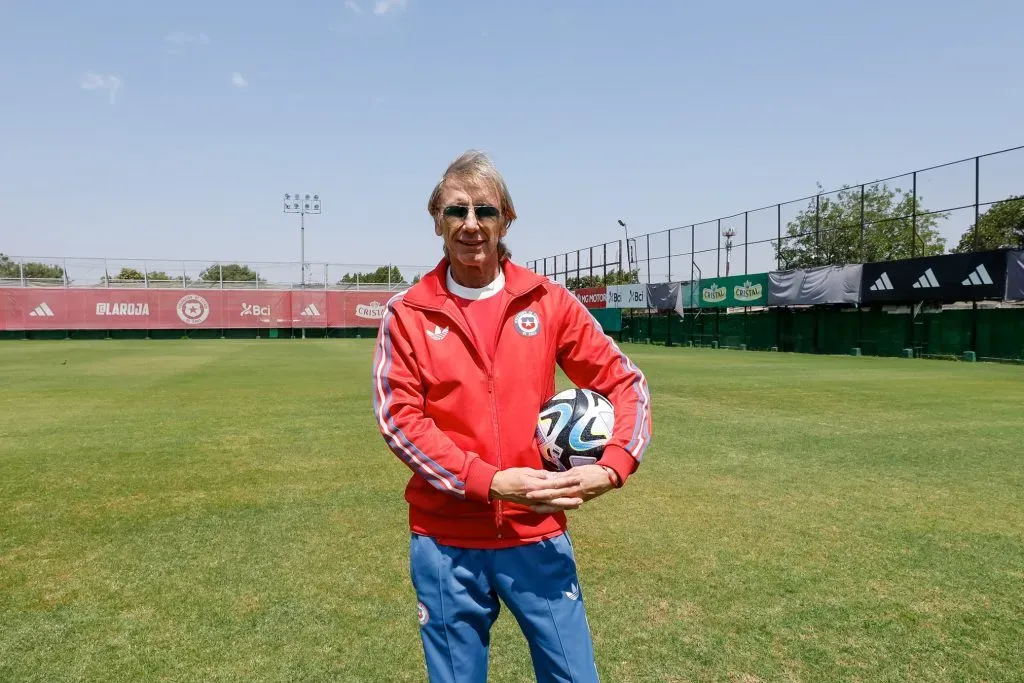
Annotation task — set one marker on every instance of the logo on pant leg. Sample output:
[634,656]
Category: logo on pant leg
[573,594]
[422,615]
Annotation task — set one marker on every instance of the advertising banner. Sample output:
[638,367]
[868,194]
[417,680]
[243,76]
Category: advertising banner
[734,291]
[592,297]
[626,296]
[951,277]
[663,296]
[153,309]
[666,296]
[356,309]
[309,308]
[1015,276]
[815,286]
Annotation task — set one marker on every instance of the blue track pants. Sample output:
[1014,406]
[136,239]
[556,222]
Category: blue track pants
[459,589]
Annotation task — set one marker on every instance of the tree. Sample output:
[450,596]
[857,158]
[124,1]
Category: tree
[229,272]
[614,277]
[829,230]
[161,276]
[129,274]
[10,269]
[384,274]
[1000,227]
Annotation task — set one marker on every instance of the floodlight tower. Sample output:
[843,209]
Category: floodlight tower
[728,234]
[302,204]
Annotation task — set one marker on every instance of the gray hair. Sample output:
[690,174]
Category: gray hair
[474,166]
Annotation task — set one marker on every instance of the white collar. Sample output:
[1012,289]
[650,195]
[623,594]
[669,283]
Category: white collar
[476,294]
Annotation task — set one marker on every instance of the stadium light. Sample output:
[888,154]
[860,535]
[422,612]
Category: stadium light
[728,234]
[302,204]
[629,251]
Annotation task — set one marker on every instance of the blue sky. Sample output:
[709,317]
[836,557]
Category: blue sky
[160,130]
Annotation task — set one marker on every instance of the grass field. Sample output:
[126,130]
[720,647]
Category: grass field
[226,511]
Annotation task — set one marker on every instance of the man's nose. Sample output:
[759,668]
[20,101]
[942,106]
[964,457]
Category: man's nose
[471,223]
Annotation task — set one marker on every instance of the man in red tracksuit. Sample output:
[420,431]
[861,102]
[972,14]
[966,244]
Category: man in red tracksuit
[465,358]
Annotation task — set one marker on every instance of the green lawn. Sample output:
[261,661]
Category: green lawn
[226,511]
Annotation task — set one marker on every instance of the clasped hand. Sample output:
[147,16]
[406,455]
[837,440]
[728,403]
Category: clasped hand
[548,492]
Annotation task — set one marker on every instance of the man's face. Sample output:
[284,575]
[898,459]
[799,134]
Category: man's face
[471,223]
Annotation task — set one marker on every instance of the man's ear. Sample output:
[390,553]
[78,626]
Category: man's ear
[437,228]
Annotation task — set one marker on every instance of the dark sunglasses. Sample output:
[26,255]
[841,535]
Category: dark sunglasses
[482,211]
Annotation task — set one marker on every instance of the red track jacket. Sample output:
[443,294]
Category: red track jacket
[455,417]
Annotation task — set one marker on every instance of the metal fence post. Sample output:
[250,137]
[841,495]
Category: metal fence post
[693,248]
[669,278]
[65,271]
[718,258]
[817,227]
[913,223]
[862,224]
[220,269]
[778,240]
[977,200]
[746,239]
[648,258]
[21,270]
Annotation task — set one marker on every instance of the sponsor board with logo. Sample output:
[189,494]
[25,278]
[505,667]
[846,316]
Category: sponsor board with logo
[733,291]
[309,308]
[626,296]
[950,277]
[1015,275]
[101,308]
[592,297]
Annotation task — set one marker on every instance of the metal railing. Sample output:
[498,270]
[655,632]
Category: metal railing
[767,238]
[29,271]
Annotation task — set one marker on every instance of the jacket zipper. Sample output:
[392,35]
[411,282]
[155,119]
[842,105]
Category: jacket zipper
[494,406]
[500,517]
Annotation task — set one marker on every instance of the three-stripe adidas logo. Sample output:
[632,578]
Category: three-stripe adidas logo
[882,284]
[926,280]
[979,276]
[310,311]
[42,311]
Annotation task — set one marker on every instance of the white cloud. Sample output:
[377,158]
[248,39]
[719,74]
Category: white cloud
[238,80]
[94,81]
[385,6]
[354,6]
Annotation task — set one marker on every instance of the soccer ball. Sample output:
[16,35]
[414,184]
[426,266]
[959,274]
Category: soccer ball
[573,427]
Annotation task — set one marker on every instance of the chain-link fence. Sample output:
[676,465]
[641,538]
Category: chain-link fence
[43,271]
[967,205]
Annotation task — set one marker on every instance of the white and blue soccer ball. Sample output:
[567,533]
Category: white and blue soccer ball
[573,427]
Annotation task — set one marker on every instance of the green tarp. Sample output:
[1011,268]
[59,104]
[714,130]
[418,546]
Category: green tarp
[610,319]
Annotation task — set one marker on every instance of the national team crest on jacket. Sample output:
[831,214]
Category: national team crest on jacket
[527,323]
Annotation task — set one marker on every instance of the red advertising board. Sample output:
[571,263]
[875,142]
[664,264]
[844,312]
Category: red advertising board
[593,297]
[121,309]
